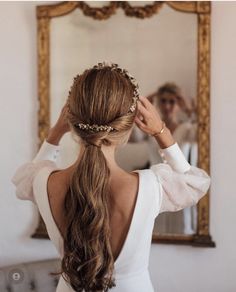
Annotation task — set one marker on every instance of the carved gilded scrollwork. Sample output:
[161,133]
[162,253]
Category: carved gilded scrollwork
[202,9]
[190,6]
[99,13]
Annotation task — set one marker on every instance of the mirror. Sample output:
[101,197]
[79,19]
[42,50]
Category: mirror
[162,47]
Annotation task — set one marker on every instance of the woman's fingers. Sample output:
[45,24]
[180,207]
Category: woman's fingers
[144,112]
[139,123]
[65,109]
[146,103]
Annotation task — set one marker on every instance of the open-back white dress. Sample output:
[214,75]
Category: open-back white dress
[168,186]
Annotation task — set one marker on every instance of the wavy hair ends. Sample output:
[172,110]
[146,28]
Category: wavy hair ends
[88,262]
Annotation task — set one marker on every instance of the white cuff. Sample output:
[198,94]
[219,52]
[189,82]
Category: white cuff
[175,158]
[47,151]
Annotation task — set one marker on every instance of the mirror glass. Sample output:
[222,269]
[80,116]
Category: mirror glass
[161,53]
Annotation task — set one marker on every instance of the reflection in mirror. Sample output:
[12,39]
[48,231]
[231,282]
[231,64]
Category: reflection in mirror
[180,118]
[161,53]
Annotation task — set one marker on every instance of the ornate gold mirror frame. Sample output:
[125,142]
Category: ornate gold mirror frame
[202,9]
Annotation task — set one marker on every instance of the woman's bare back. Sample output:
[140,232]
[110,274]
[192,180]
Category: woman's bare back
[124,190]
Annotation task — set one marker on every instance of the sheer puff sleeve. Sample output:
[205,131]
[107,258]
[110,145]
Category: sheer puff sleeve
[182,185]
[24,174]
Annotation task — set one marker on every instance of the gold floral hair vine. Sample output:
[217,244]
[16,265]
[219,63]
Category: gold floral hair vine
[126,74]
[94,127]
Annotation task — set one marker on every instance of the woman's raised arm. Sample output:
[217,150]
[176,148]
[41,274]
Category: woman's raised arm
[182,185]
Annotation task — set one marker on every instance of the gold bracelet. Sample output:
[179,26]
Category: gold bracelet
[161,131]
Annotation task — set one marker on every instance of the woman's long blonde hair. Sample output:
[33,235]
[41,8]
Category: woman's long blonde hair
[100,96]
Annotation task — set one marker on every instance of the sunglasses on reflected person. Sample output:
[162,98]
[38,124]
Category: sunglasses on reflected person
[168,100]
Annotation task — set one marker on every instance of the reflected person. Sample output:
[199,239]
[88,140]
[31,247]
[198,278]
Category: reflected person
[180,117]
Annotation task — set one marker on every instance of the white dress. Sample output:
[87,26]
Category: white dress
[184,221]
[168,186]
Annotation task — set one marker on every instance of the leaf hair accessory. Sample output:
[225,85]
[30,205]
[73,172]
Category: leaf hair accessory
[127,75]
[94,127]
[135,98]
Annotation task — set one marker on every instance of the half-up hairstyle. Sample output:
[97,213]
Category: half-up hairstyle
[102,108]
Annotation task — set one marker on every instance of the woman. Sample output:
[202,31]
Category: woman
[179,117]
[100,217]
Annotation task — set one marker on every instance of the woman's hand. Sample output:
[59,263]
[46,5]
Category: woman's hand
[149,121]
[62,122]
[60,128]
[148,118]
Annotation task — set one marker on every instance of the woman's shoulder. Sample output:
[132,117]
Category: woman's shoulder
[58,181]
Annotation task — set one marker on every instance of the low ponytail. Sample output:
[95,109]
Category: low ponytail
[87,202]
[102,108]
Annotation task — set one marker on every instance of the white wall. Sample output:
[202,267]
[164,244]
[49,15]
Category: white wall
[173,268]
